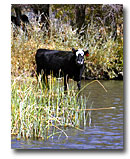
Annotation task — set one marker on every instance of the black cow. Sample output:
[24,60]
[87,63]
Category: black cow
[69,63]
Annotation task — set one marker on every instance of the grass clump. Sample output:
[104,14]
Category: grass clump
[38,112]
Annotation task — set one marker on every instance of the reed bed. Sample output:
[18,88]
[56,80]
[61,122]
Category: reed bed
[39,112]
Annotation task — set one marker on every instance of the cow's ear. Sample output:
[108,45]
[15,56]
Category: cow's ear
[73,50]
[86,53]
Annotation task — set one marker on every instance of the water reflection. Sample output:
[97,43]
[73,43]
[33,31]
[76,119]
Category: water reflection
[105,130]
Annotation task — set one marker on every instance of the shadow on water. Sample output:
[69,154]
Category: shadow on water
[105,130]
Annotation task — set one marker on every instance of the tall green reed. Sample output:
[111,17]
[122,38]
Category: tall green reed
[39,112]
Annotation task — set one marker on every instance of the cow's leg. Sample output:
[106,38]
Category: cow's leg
[79,85]
[65,82]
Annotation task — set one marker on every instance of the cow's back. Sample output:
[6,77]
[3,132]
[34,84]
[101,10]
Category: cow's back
[53,60]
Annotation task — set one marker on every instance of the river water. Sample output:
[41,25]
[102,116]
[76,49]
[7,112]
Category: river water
[105,129]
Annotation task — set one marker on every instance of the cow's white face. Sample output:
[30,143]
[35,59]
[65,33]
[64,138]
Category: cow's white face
[80,57]
[79,52]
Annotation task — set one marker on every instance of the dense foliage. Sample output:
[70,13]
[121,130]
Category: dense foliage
[101,33]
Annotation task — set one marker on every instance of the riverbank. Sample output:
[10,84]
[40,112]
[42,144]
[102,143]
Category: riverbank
[104,62]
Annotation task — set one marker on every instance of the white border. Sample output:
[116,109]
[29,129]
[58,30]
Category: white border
[68,2]
[5,66]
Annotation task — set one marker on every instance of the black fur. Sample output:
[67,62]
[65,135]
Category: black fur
[53,61]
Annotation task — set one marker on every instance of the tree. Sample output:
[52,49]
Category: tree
[42,9]
[80,16]
[112,14]
[17,9]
